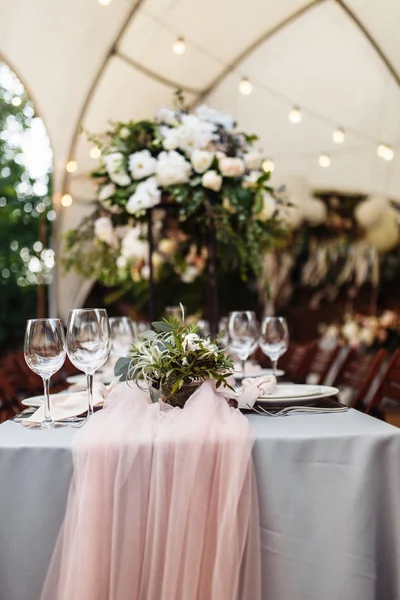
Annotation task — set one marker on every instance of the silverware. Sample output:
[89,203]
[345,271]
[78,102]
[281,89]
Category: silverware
[288,410]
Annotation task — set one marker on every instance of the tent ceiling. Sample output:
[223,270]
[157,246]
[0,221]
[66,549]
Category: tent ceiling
[85,64]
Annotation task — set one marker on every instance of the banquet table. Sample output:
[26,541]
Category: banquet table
[329,495]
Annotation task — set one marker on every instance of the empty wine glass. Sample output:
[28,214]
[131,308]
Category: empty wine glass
[44,351]
[242,334]
[274,339]
[123,334]
[88,343]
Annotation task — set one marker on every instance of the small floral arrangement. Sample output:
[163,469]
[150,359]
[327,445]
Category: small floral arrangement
[201,165]
[367,332]
[173,360]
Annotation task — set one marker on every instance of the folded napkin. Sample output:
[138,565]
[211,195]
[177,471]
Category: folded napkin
[252,389]
[70,404]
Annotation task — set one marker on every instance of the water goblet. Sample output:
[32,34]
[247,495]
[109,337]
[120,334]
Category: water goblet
[44,352]
[123,334]
[88,343]
[242,334]
[274,339]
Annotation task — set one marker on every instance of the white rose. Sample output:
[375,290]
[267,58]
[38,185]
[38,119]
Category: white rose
[104,231]
[167,116]
[146,195]
[195,134]
[201,160]
[191,342]
[132,247]
[205,113]
[142,164]
[268,208]
[172,137]
[251,179]
[116,168]
[106,191]
[231,167]
[252,160]
[172,169]
[212,181]
[124,133]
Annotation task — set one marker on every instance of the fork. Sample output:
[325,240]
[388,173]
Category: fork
[284,412]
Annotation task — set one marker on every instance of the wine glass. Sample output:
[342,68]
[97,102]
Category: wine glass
[44,351]
[88,343]
[274,339]
[123,334]
[242,334]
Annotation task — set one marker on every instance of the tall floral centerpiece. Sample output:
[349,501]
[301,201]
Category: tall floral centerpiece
[200,165]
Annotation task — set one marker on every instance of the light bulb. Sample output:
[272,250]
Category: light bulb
[71,166]
[95,152]
[16,101]
[268,165]
[324,160]
[338,136]
[105,2]
[66,200]
[245,86]
[179,46]
[384,151]
[295,115]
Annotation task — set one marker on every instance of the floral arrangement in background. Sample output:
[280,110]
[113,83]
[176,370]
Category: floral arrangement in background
[367,332]
[173,360]
[201,165]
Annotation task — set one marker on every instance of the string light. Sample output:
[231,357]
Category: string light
[384,151]
[71,166]
[179,46]
[95,152]
[105,2]
[338,135]
[268,165]
[66,200]
[295,115]
[324,160]
[245,86]
[16,101]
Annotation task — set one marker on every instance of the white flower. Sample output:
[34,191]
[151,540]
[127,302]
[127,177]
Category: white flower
[121,262]
[142,164]
[167,116]
[172,137]
[231,167]
[116,169]
[205,113]
[201,160]
[132,247]
[104,231]
[212,181]
[350,330]
[146,195]
[268,208]
[369,212]
[167,246]
[252,160]
[191,342]
[172,169]
[145,272]
[190,274]
[124,133]
[251,179]
[106,191]
[191,135]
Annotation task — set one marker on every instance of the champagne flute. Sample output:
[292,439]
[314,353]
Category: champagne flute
[44,351]
[123,334]
[242,334]
[88,343]
[274,339]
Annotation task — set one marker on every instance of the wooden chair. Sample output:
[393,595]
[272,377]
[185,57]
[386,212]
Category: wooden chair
[296,361]
[321,363]
[358,373]
[389,387]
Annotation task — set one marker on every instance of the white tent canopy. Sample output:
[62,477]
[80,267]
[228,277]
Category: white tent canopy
[84,64]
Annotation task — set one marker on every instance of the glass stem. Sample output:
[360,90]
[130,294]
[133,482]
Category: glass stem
[274,366]
[47,414]
[243,361]
[90,394]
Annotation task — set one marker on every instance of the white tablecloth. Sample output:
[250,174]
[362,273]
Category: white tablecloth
[329,491]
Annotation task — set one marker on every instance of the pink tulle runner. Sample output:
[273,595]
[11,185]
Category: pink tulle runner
[162,506]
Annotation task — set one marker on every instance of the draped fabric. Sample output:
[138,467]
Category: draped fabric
[162,505]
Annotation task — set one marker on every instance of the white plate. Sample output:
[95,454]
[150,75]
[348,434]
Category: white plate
[37,401]
[260,373]
[289,396]
[99,377]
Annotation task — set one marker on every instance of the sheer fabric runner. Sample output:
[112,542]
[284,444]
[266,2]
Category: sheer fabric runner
[162,506]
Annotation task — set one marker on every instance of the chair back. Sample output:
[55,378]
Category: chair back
[321,363]
[389,387]
[358,373]
[296,361]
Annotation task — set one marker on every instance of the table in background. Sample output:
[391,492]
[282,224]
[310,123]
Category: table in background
[329,492]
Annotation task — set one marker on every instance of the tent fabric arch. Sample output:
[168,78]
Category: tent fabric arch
[339,60]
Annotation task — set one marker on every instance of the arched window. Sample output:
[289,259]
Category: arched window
[26,213]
